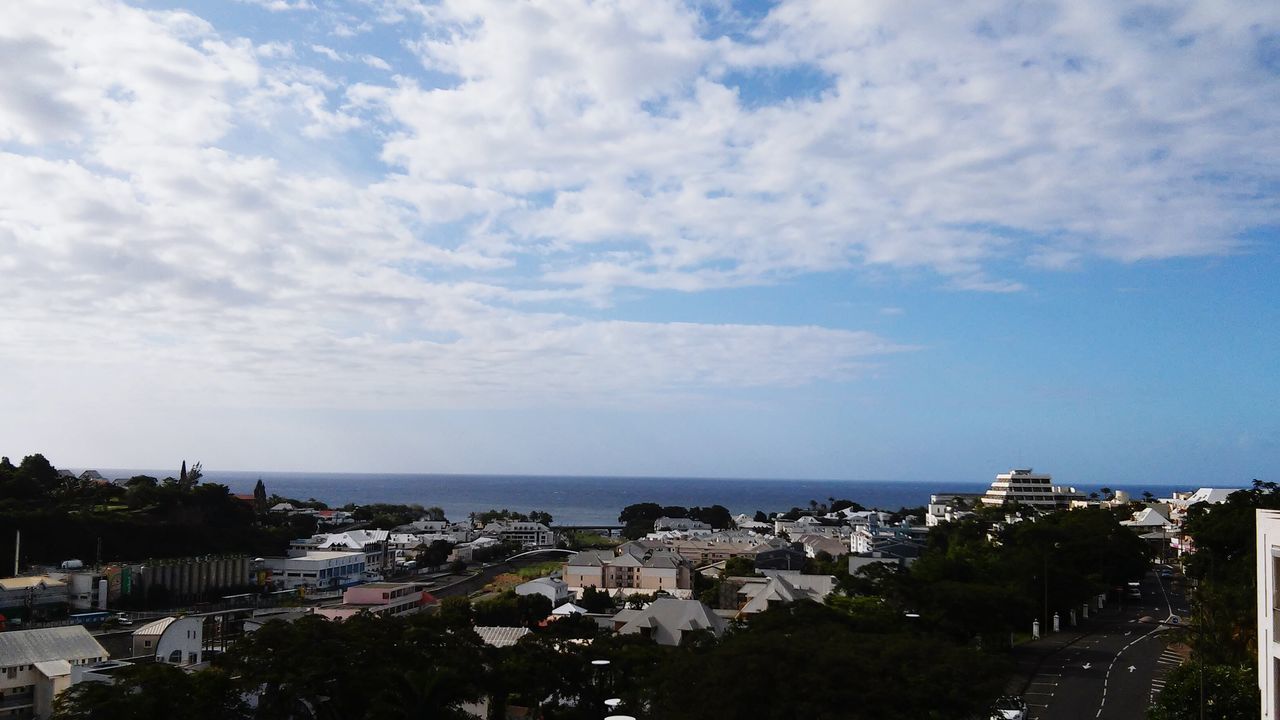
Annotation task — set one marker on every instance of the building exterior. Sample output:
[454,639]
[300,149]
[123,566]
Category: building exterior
[1268,582]
[172,640]
[35,665]
[524,534]
[383,599]
[33,596]
[552,588]
[668,621]
[636,568]
[757,594]
[1026,487]
[373,543]
[666,523]
[317,569]
[189,578]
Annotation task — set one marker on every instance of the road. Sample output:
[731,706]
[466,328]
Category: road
[1115,671]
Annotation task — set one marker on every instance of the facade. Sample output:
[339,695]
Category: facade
[383,599]
[755,595]
[666,523]
[171,640]
[35,665]
[524,534]
[1026,487]
[1268,584]
[552,588]
[188,578]
[668,621]
[373,543]
[638,569]
[317,569]
[33,596]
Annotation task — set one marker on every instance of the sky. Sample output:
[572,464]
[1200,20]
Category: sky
[813,239]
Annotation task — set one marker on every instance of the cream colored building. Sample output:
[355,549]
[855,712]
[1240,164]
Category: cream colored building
[35,665]
[635,569]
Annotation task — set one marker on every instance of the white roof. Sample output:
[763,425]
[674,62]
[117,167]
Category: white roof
[28,647]
[1148,517]
[501,636]
[1212,496]
[569,609]
[155,628]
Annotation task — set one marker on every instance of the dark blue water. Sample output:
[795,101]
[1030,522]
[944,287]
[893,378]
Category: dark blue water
[587,500]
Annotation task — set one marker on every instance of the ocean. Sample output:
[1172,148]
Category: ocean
[588,500]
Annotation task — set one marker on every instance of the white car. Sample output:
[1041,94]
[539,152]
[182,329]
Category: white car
[1009,707]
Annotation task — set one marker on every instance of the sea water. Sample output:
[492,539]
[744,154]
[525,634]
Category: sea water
[578,500]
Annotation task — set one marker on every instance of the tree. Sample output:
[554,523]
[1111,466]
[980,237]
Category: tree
[154,690]
[814,641]
[760,517]
[595,601]
[1230,691]
[260,498]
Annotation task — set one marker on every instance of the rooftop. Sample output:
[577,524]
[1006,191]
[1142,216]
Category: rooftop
[28,647]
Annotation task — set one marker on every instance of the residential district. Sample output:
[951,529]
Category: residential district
[1031,600]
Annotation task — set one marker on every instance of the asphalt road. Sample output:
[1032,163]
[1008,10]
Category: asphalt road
[1115,670]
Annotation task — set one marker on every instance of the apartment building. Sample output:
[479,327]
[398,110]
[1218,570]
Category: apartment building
[1267,532]
[35,665]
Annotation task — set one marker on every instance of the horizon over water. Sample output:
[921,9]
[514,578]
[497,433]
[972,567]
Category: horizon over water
[588,500]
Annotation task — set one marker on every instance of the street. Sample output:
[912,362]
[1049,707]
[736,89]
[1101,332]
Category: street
[1116,669]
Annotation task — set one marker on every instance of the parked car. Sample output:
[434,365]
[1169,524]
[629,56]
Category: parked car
[1009,707]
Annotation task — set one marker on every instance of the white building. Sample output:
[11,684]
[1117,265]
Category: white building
[172,640]
[35,665]
[1268,582]
[317,569]
[524,534]
[1026,487]
[552,588]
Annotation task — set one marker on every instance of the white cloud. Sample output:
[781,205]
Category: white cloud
[154,213]
[375,62]
[280,5]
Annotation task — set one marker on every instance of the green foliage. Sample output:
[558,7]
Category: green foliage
[740,566]
[1224,605]
[154,690]
[387,515]
[642,515]
[506,515]
[1230,692]
[880,675]
[595,601]
[511,610]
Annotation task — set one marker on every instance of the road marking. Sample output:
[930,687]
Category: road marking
[1087,666]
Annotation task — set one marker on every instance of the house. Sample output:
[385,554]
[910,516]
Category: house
[172,640]
[466,552]
[809,525]
[899,555]
[814,544]
[874,538]
[333,518]
[635,568]
[669,621]
[317,569]
[552,588]
[382,599]
[35,665]
[524,534]
[666,523]
[755,595]
[781,558]
[699,548]
[744,521]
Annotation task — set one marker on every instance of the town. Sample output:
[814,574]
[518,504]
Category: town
[525,618]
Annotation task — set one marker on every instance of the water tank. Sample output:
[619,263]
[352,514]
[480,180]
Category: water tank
[71,564]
